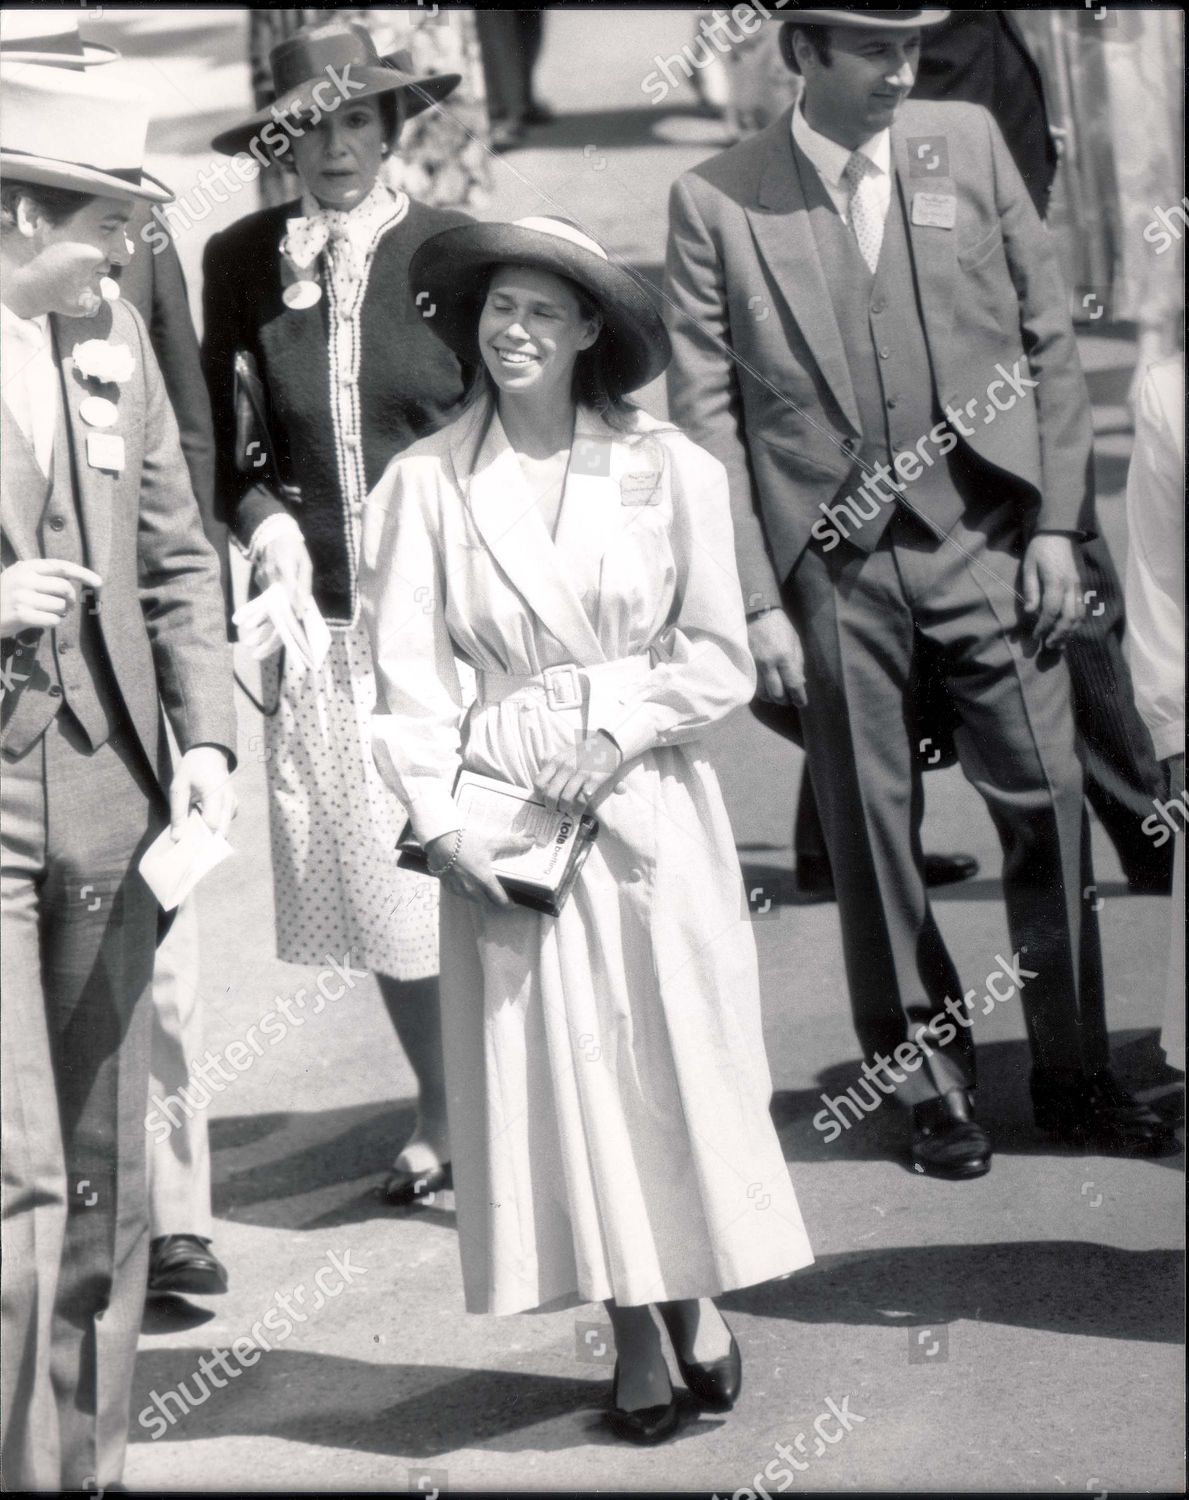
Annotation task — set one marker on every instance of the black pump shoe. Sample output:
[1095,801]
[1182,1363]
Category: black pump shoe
[647,1424]
[403,1189]
[715,1384]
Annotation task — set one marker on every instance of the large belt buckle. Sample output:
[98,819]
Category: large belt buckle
[563,686]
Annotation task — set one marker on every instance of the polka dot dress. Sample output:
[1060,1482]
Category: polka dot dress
[334,824]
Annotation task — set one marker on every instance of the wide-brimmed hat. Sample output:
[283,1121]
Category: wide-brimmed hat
[48,38]
[899,19]
[75,128]
[450,266]
[342,54]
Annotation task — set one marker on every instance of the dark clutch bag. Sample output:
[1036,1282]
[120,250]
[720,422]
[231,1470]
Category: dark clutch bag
[255,451]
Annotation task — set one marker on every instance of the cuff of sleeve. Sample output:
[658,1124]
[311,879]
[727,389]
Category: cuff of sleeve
[432,813]
[633,731]
[255,506]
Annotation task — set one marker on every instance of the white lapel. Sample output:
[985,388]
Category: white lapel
[23,488]
[506,516]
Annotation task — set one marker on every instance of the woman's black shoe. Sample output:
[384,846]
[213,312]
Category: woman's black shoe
[648,1424]
[403,1189]
[714,1385]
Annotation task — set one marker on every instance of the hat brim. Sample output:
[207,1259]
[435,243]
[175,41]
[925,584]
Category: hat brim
[44,171]
[419,94]
[865,20]
[449,266]
[94,55]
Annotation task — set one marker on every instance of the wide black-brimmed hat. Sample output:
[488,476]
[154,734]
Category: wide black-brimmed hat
[450,266]
[343,55]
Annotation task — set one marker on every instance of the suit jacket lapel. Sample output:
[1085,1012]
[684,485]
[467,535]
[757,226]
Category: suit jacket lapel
[783,230]
[23,489]
[506,516]
[933,253]
[94,488]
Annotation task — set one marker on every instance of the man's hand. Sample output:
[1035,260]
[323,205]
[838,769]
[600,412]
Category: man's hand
[284,560]
[779,659]
[38,593]
[569,779]
[202,780]
[1052,589]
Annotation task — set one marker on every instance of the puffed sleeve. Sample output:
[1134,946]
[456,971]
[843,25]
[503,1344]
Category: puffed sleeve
[416,740]
[1155,561]
[702,665]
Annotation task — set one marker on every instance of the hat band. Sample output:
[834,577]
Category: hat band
[65,43]
[130,175]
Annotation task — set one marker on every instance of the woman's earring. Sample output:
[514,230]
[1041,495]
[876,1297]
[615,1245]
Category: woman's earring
[385,149]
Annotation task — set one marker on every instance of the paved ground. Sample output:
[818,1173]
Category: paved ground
[1021,1332]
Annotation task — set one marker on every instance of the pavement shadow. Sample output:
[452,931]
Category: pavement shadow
[1055,1286]
[1004,1106]
[413,1411]
[338,1157]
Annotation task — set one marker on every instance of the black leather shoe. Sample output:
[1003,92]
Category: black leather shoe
[815,880]
[1098,1113]
[185,1263]
[403,1189]
[949,869]
[647,1424]
[715,1384]
[947,1141]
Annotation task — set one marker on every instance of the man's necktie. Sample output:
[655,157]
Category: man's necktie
[866,221]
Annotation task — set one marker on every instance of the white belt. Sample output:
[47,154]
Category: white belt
[566,686]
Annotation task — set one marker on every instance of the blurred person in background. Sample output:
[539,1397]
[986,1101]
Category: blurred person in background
[609,1088]
[315,294]
[1156,634]
[510,41]
[181,1258]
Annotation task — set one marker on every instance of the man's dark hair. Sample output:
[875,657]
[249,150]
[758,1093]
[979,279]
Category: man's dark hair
[819,40]
[57,204]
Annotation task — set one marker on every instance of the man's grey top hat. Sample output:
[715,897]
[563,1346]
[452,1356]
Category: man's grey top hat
[316,55]
[50,39]
[74,128]
[450,266]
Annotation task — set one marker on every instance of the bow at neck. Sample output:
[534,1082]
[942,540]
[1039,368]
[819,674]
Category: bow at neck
[349,232]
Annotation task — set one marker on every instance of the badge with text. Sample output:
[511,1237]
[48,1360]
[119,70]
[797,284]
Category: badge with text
[98,411]
[641,475]
[935,210]
[105,450]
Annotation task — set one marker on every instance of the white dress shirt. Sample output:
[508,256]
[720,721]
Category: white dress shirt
[29,380]
[830,159]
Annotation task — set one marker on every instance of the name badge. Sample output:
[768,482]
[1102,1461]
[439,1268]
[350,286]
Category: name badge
[935,210]
[640,488]
[105,450]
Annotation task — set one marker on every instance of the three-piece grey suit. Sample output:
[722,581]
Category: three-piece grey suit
[85,769]
[802,370]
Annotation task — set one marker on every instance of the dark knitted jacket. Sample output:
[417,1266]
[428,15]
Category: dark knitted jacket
[408,383]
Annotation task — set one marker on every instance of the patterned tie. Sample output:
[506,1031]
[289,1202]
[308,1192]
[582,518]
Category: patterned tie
[866,222]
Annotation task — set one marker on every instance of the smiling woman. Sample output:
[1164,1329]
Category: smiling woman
[605,1067]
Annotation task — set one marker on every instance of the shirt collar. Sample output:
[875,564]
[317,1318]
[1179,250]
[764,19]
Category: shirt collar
[830,158]
[28,330]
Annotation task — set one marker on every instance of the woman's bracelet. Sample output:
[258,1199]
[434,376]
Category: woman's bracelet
[449,865]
